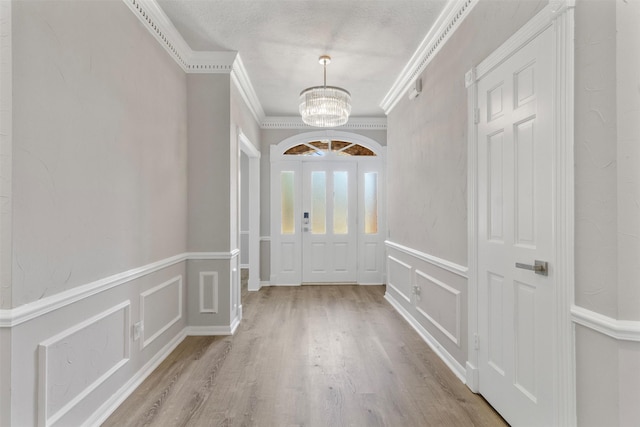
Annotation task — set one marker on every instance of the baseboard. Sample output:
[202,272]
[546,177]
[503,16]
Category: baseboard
[473,378]
[209,330]
[447,358]
[134,382]
[235,323]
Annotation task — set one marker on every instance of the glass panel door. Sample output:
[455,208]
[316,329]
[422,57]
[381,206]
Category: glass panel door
[329,200]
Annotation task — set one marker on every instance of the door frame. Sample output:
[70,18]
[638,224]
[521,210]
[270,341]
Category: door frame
[246,146]
[560,16]
[278,160]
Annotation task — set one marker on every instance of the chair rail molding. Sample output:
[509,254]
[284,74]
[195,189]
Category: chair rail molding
[15,316]
[431,259]
[624,330]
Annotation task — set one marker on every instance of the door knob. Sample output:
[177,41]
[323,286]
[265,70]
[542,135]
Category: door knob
[539,267]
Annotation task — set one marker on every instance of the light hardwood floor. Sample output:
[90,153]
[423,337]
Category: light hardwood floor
[307,356]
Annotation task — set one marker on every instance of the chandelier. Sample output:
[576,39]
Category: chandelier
[325,106]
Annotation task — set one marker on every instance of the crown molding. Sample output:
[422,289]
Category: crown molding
[162,29]
[354,123]
[241,79]
[446,24]
[211,62]
[195,62]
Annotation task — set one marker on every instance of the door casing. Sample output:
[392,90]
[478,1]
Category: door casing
[366,274]
[559,15]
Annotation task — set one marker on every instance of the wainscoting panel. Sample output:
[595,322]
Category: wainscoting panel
[208,292]
[400,279]
[76,361]
[160,308]
[71,358]
[430,293]
[439,304]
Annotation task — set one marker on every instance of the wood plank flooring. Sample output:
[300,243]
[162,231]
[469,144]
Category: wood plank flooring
[307,356]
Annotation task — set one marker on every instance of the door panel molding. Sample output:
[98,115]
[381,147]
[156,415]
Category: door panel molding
[560,16]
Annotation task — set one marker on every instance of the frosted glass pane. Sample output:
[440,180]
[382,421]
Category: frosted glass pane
[340,202]
[318,202]
[371,203]
[287,219]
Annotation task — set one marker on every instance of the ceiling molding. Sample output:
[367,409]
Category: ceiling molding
[211,62]
[226,62]
[160,26]
[241,79]
[446,24]
[354,123]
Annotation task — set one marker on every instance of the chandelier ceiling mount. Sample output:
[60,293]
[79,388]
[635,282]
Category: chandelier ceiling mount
[325,106]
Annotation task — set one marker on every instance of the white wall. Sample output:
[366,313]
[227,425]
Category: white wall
[99,209]
[99,151]
[607,155]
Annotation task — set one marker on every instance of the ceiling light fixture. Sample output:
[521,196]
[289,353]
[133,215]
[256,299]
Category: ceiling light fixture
[325,106]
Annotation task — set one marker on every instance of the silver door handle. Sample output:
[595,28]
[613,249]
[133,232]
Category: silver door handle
[540,267]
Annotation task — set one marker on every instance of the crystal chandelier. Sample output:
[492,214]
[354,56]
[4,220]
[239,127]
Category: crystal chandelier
[325,106]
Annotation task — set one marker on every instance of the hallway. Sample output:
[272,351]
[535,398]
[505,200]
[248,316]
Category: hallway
[313,356]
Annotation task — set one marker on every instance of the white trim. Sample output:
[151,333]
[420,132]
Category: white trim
[354,123]
[265,238]
[456,293]
[526,33]
[15,316]
[195,62]
[623,330]
[143,295]
[446,357]
[253,207]
[246,146]
[558,13]
[196,331]
[277,151]
[212,255]
[472,376]
[562,13]
[447,23]
[160,26]
[214,292]
[241,79]
[431,259]
[43,417]
[116,399]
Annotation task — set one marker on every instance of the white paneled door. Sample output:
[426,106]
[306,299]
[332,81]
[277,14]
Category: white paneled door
[515,225]
[329,228]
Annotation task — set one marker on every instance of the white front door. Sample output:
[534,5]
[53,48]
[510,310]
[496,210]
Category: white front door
[516,225]
[329,227]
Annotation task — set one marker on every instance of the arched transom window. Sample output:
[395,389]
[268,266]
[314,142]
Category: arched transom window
[321,148]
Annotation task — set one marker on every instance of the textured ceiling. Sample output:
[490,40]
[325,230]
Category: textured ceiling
[280,42]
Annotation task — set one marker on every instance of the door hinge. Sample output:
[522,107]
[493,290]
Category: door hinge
[476,116]
[476,342]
